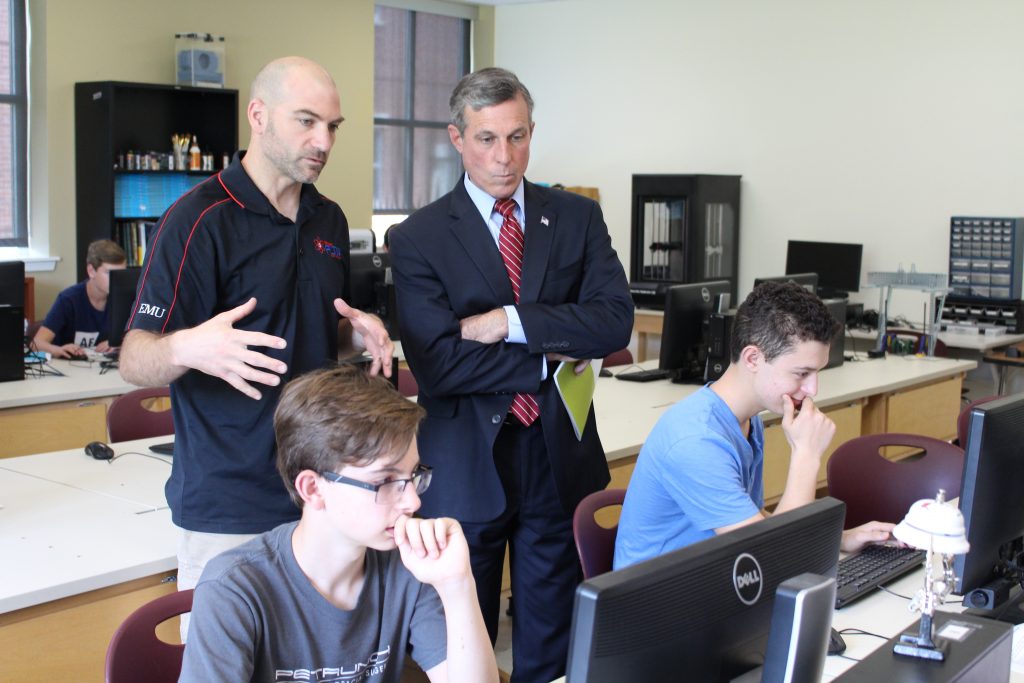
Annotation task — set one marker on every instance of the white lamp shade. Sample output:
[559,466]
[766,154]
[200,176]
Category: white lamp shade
[930,523]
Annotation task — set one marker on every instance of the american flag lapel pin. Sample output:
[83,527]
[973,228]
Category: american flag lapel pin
[544,220]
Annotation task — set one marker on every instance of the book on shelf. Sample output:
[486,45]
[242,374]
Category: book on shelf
[135,238]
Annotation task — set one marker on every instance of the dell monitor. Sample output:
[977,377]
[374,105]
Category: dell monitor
[989,575]
[703,612]
[371,288]
[837,265]
[120,303]
[684,329]
[808,281]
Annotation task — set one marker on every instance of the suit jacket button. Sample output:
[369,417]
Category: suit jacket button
[495,419]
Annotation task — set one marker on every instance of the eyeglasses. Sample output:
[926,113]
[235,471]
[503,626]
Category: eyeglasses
[390,491]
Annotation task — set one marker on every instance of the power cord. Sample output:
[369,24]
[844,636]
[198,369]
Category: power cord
[144,455]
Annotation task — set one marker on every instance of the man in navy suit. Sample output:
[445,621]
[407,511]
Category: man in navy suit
[492,295]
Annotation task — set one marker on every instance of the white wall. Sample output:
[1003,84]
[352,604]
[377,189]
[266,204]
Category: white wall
[871,121]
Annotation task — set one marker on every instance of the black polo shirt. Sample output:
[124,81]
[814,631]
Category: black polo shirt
[217,246]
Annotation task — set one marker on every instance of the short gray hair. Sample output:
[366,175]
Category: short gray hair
[486,88]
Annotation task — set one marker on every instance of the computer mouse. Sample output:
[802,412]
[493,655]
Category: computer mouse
[836,644]
[99,450]
[605,372]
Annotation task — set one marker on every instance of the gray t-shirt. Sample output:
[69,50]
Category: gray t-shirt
[256,617]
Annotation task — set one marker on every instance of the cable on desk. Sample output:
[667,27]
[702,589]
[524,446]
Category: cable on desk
[891,592]
[41,370]
[860,632]
[144,455]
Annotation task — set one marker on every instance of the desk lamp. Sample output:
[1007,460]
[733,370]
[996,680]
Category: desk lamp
[934,526]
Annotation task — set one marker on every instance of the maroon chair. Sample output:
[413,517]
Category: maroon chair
[620,357]
[136,654]
[595,543]
[876,488]
[128,418]
[963,421]
[407,385]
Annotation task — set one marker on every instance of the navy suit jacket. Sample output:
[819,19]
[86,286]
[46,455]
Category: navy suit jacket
[574,300]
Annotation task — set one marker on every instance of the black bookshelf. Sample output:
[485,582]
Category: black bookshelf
[113,118]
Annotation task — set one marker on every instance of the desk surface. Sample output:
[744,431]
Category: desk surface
[627,411]
[72,524]
[76,524]
[954,340]
[81,380]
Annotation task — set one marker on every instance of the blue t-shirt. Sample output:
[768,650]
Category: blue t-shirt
[73,319]
[696,472]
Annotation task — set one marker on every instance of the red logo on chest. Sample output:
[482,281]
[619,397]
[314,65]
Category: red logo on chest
[325,247]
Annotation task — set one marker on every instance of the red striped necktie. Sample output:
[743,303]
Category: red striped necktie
[511,245]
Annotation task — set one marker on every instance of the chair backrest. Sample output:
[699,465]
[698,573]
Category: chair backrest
[128,418]
[963,421]
[136,654]
[407,385]
[620,357]
[595,543]
[876,488]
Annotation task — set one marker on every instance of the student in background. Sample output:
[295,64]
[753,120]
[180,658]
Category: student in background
[78,318]
[357,583]
[700,472]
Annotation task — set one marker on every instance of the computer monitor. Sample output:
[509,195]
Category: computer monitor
[988,576]
[120,303]
[701,613]
[371,288]
[837,265]
[12,284]
[684,328]
[808,281]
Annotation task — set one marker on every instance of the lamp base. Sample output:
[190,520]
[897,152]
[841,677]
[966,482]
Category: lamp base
[912,646]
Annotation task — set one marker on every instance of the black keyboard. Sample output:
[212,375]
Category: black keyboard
[873,566]
[644,375]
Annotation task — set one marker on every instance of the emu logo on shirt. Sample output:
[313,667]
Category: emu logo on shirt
[746,578]
[325,247]
[150,309]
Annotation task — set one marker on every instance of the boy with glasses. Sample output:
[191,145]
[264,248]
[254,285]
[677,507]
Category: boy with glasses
[357,583]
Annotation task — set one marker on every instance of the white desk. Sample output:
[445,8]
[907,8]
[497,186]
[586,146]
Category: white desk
[627,411]
[72,524]
[82,381]
[954,340]
[50,413]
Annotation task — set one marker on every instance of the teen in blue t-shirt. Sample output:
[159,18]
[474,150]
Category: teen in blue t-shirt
[700,472]
[78,318]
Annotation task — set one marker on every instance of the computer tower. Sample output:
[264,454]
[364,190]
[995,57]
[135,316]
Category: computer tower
[837,307]
[12,321]
[12,343]
[719,343]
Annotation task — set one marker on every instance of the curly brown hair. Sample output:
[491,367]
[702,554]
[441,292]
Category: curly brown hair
[778,315]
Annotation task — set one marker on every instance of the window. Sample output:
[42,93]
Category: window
[13,124]
[419,57]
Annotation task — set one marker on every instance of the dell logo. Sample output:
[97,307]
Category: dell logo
[746,578]
[377,261]
[149,309]
[705,294]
